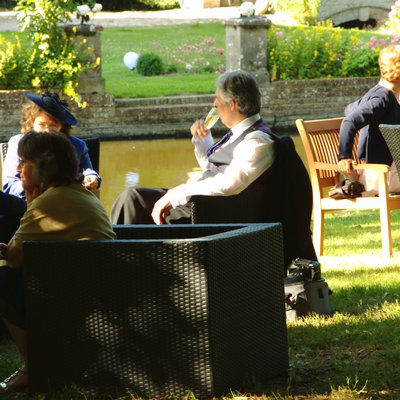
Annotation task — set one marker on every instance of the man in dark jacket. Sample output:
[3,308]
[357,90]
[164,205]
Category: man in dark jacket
[249,155]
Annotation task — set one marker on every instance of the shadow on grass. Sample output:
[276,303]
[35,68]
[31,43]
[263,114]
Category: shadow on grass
[342,352]
[357,349]
[355,352]
[359,345]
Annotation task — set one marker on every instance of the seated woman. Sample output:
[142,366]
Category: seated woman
[380,105]
[43,113]
[59,208]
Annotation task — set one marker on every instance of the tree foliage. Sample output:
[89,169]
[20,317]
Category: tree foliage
[50,59]
[302,11]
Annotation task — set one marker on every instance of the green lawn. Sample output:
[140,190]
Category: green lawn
[131,84]
[197,47]
[178,45]
[355,354]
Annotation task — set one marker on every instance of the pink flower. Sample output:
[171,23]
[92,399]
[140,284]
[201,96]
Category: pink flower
[209,42]
[220,51]
[189,67]
[279,34]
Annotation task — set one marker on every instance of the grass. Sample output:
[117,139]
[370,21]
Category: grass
[354,354]
[202,46]
[179,45]
[131,84]
[194,44]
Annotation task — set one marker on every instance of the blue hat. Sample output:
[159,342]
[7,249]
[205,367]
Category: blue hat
[53,105]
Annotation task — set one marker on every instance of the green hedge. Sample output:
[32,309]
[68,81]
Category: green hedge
[150,64]
[159,4]
[8,4]
[128,5]
[323,52]
[119,5]
[303,11]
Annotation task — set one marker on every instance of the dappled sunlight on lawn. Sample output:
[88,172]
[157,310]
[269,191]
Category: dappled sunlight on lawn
[367,259]
[357,346]
[358,233]
[355,287]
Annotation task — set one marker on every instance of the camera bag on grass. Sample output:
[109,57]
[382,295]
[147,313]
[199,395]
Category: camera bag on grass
[305,290]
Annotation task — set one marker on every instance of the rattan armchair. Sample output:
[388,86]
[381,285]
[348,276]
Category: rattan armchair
[284,195]
[93,145]
[172,309]
[3,152]
[391,134]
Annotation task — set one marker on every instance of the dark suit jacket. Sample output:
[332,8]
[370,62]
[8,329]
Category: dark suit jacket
[377,106]
[289,200]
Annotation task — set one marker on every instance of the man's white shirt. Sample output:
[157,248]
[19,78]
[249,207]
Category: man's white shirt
[251,158]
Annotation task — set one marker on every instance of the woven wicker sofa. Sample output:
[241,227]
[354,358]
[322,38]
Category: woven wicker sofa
[160,311]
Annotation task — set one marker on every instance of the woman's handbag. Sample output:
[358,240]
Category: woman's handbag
[347,186]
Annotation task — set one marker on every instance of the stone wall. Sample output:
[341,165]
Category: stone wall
[311,99]
[110,118]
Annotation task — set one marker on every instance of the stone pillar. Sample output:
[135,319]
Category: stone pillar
[246,46]
[87,36]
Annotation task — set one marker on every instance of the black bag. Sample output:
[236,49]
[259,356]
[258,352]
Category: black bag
[301,269]
[347,187]
[305,290]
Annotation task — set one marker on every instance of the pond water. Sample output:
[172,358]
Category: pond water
[153,163]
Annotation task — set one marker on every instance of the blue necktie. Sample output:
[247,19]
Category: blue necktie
[220,142]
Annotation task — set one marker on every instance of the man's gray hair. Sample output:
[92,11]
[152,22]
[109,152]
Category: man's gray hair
[242,87]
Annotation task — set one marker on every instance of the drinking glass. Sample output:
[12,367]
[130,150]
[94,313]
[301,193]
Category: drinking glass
[211,118]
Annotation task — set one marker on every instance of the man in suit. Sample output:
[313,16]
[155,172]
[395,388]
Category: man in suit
[236,162]
[249,155]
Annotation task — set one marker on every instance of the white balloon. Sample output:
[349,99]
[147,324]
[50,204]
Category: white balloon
[130,59]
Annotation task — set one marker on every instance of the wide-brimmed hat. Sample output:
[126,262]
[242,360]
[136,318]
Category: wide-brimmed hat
[52,105]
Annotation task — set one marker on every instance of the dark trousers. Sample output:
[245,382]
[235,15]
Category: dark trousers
[12,303]
[135,204]
[12,208]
